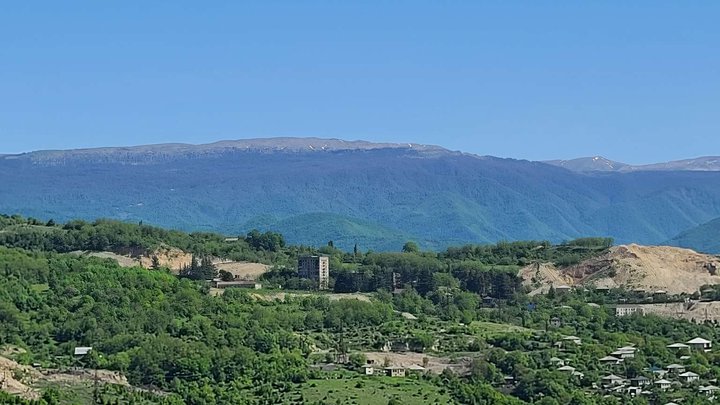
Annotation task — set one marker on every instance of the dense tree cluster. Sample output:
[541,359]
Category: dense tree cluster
[124,238]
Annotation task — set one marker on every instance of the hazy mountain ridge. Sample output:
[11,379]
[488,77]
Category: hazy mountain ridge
[376,195]
[601,164]
[159,152]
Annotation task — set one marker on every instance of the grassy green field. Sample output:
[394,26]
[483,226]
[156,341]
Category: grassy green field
[372,390]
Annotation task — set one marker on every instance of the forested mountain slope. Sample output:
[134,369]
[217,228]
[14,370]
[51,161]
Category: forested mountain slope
[705,237]
[376,195]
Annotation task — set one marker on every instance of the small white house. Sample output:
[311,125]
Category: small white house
[612,379]
[556,361]
[675,368]
[688,377]
[369,369]
[700,344]
[710,390]
[572,339]
[639,381]
[610,360]
[395,371]
[568,369]
[663,384]
[623,354]
[678,346]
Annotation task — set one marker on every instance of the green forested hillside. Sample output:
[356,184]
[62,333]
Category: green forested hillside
[460,312]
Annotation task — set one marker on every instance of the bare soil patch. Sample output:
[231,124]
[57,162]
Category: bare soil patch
[650,268]
[434,364]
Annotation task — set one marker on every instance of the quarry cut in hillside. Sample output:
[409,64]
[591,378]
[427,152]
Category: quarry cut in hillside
[649,268]
[175,259]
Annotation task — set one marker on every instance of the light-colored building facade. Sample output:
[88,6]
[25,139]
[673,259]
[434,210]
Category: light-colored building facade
[315,268]
[625,310]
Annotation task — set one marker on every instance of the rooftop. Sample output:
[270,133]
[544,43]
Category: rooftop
[81,351]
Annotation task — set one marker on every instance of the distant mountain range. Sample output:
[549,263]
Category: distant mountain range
[378,195]
[600,164]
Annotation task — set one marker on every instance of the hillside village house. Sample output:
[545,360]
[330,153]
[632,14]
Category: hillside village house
[369,369]
[572,339]
[562,289]
[710,390]
[624,352]
[700,344]
[626,310]
[610,360]
[663,384]
[675,368]
[688,377]
[639,381]
[612,379]
[414,368]
[678,346]
[556,361]
[395,371]
[568,369]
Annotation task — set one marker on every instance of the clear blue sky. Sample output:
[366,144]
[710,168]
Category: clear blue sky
[636,81]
